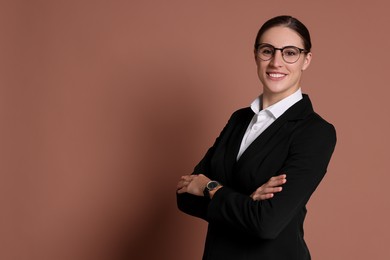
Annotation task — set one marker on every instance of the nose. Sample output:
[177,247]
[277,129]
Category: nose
[277,59]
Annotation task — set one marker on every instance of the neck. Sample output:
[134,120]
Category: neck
[268,99]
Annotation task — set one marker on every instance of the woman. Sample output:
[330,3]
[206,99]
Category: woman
[253,184]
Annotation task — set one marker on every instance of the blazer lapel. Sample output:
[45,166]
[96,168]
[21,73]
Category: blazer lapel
[234,143]
[278,129]
[261,142]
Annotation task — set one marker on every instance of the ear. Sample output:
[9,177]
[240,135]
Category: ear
[307,61]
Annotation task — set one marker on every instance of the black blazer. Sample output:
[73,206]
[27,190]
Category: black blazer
[300,144]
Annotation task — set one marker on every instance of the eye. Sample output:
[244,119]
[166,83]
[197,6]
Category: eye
[266,50]
[290,52]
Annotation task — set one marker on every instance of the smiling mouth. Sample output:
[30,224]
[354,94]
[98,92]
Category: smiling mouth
[276,75]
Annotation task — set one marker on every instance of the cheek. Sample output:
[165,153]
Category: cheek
[261,73]
[296,68]
[261,67]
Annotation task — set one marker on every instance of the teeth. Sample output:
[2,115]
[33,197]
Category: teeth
[276,75]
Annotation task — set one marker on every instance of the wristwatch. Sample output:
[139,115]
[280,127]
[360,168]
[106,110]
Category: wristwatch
[211,185]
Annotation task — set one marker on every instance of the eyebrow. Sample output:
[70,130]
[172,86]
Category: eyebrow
[265,43]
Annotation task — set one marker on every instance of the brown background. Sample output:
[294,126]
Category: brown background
[104,104]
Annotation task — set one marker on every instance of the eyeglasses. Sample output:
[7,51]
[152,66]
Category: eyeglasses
[290,54]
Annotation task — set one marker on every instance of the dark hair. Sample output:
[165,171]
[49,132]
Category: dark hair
[289,22]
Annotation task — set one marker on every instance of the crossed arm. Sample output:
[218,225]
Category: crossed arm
[195,184]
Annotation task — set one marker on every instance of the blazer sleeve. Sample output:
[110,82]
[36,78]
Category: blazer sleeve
[195,205]
[309,155]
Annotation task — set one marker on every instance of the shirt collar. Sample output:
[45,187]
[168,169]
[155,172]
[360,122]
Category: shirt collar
[280,107]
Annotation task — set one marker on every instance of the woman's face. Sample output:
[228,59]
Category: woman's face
[281,79]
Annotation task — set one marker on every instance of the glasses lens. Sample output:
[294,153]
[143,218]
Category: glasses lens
[265,52]
[291,54]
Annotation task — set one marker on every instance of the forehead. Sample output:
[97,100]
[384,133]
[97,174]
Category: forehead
[281,36]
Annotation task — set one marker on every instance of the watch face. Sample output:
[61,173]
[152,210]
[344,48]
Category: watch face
[212,185]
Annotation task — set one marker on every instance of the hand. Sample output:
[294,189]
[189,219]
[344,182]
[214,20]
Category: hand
[193,184]
[267,190]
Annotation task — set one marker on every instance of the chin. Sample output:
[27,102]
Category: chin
[280,90]
[277,89]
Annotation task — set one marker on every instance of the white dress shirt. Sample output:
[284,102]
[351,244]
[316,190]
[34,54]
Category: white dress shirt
[264,118]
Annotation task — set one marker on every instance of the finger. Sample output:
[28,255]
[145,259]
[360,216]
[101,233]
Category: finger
[279,177]
[272,190]
[182,183]
[186,177]
[266,192]
[266,196]
[263,196]
[270,187]
[276,181]
[182,190]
